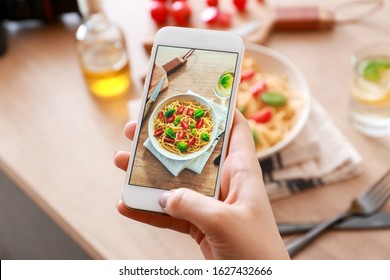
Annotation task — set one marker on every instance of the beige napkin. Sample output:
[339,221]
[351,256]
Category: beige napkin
[319,155]
[196,165]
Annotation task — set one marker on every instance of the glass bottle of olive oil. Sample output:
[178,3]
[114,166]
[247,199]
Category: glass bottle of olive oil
[102,52]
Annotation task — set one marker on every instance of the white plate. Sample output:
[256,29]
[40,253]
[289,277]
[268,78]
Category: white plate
[275,63]
[164,103]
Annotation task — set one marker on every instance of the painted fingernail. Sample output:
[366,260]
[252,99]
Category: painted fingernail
[162,200]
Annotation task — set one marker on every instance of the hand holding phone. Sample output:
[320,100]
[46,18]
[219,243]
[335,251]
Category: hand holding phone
[239,226]
[186,115]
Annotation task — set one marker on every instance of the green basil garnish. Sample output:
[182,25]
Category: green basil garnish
[169,112]
[198,113]
[177,121]
[205,137]
[170,133]
[182,146]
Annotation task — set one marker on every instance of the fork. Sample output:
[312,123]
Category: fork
[366,204]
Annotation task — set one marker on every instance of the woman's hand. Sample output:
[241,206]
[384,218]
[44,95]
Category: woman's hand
[240,225]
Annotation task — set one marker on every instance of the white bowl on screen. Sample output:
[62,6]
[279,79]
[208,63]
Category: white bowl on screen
[164,103]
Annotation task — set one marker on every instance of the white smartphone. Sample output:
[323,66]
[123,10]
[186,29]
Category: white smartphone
[185,116]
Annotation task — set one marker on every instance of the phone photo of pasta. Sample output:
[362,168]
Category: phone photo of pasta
[183,127]
[184,119]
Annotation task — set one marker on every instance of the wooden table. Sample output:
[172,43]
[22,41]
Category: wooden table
[57,141]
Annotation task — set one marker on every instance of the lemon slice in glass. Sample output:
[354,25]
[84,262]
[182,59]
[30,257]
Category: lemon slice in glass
[373,84]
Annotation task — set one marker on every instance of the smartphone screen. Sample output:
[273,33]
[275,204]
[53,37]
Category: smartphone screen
[184,119]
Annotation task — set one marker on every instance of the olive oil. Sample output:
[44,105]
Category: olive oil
[106,70]
[102,53]
[110,83]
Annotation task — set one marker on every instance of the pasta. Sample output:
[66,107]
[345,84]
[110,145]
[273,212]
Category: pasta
[268,103]
[183,127]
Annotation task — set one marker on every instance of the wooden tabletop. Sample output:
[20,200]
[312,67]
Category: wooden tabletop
[57,141]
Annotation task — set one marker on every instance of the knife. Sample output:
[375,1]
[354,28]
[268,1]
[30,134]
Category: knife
[153,97]
[247,28]
[377,221]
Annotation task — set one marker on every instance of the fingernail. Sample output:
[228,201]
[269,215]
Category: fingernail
[162,200]
[115,153]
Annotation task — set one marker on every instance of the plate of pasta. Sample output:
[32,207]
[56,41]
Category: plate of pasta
[274,97]
[182,126]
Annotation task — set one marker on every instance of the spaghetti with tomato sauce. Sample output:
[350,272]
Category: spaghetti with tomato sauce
[268,103]
[183,127]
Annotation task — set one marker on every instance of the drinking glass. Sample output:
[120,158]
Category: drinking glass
[370,92]
[224,86]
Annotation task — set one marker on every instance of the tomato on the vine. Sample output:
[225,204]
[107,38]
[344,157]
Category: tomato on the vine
[158,11]
[212,3]
[240,5]
[181,12]
[225,19]
[210,15]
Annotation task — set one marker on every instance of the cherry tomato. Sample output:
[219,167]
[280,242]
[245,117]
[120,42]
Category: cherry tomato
[247,74]
[169,140]
[190,112]
[180,135]
[210,15]
[199,123]
[225,19]
[263,116]
[191,141]
[258,88]
[161,115]
[184,125]
[212,3]
[180,110]
[181,12]
[240,5]
[171,119]
[158,132]
[158,11]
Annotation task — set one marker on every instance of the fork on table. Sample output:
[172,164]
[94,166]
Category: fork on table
[366,204]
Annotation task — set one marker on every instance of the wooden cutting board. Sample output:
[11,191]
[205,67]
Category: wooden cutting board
[283,18]
[254,11]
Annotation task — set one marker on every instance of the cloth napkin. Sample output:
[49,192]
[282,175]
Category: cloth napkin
[319,155]
[196,165]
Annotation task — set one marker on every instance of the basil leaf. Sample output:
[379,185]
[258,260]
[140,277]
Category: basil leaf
[205,137]
[177,121]
[170,133]
[182,146]
[169,112]
[198,113]
[274,99]
[255,137]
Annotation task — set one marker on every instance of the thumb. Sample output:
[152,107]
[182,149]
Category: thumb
[196,208]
